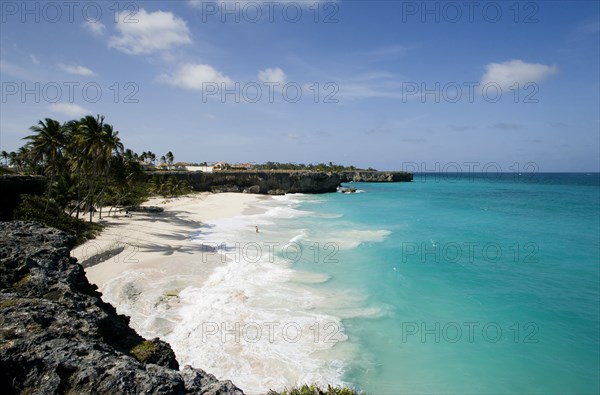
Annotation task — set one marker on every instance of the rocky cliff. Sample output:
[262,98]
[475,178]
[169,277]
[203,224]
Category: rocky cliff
[58,336]
[376,176]
[279,182]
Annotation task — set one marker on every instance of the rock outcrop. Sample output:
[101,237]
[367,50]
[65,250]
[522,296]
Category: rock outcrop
[58,336]
[279,182]
[376,176]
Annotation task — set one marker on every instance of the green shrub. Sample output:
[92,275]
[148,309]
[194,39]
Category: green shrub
[144,350]
[313,389]
[168,187]
[22,281]
[33,208]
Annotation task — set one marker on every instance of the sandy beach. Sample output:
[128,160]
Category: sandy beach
[191,276]
[157,241]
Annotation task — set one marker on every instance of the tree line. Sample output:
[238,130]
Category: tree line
[87,166]
[328,167]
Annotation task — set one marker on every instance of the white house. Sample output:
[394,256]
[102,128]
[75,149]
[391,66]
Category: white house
[220,166]
[205,169]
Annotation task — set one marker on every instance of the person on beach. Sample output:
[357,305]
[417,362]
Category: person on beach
[256,227]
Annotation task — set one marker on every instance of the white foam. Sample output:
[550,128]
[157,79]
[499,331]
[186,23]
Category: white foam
[310,277]
[248,321]
[327,215]
[213,322]
[352,238]
[286,212]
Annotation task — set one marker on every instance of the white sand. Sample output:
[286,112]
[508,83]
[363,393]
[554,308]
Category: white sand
[157,241]
[150,269]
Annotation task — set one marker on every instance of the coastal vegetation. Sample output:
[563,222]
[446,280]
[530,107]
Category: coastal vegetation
[36,208]
[327,167]
[86,168]
[144,350]
[168,186]
[316,390]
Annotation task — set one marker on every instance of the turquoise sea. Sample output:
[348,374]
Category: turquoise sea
[448,284]
[467,284]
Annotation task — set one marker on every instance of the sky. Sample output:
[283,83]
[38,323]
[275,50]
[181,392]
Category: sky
[395,85]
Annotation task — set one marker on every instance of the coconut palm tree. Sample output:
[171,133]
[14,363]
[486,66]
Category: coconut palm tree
[12,158]
[46,147]
[151,157]
[170,159]
[130,156]
[98,141]
[21,159]
[111,146]
[77,160]
[5,156]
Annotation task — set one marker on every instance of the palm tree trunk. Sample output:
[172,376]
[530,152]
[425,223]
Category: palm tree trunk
[101,196]
[49,192]
[78,191]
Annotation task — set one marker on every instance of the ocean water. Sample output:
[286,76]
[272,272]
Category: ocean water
[453,284]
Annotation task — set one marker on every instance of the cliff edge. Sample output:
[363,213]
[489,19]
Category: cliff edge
[58,336]
[278,182]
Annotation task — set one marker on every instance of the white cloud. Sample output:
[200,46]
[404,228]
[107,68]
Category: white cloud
[76,69]
[516,72]
[95,27]
[69,109]
[17,71]
[193,76]
[373,84]
[363,91]
[389,51]
[34,60]
[149,32]
[272,75]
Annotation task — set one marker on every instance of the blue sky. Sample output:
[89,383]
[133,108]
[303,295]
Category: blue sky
[387,84]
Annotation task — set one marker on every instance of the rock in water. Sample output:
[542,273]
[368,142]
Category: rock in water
[58,336]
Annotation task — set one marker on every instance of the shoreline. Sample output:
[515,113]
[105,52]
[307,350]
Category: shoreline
[228,311]
[144,241]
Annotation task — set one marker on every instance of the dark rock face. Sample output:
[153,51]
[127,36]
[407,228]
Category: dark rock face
[12,187]
[259,181]
[280,182]
[58,336]
[376,176]
[226,188]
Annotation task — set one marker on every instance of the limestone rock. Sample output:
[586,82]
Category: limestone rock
[286,181]
[253,189]
[58,336]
